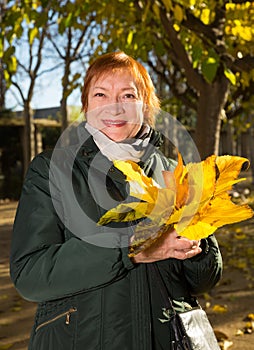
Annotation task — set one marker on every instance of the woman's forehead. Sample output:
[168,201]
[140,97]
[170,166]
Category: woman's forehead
[107,73]
[116,76]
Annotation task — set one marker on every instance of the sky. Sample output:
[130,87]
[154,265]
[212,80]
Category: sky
[48,89]
[47,94]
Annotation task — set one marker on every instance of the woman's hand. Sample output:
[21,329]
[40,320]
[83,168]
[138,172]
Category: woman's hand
[169,245]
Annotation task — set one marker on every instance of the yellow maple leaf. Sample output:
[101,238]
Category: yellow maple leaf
[215,209]
[126,212]
[229,168]
[141,186]
[178,181]
[195,200]
[196,232]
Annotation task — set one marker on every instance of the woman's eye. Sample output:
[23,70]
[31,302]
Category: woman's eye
[99,94]
[129,96]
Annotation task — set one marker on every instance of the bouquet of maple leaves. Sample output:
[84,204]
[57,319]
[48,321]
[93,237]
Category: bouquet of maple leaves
[195,200]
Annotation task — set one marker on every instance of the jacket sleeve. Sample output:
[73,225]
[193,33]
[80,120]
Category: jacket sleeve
[43,264]
[203,271]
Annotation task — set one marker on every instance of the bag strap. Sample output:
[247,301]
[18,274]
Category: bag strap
[153,267]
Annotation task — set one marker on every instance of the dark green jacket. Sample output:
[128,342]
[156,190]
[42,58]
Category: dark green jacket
[90,294]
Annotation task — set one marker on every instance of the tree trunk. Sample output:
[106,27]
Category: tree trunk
[28,151]
[2,87]
[251,148]
[211,102]
[37,140]
[2,79]
[64,122]
[252,153]
[64,114]
[63,105]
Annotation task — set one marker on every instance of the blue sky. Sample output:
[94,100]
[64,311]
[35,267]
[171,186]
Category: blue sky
[47,94]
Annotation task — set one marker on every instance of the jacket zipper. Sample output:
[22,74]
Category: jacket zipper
[67,315]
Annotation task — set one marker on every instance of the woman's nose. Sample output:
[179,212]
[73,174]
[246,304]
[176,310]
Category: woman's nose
[115,108]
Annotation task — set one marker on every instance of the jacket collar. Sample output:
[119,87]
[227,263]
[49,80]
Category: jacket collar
[86,150]
[88,146]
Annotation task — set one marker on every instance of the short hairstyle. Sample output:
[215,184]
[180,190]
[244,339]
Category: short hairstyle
[110,62]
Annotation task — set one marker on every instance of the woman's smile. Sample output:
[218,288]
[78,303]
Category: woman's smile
[114,123]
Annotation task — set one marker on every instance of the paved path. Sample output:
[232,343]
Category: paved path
[16,314]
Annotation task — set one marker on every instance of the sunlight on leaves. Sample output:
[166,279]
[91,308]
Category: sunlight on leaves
[205,16]
[176,27]
[33,33]
[195,200]
[230,75]
[129,38]
[241,31]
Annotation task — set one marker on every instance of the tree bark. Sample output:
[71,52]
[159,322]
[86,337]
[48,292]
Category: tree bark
[64,114]
[227,139]
[63,104]
[29,147]
[2,87]
[2,79]
[251,133]
[211,101]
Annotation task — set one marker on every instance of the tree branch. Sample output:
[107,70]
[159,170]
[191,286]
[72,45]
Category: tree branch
[19,90]
[182,59]
[184,97]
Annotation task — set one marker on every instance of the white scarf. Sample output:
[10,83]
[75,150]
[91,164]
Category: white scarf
[130,149]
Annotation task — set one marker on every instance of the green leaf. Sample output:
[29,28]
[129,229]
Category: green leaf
[159,48]
[18,30]
[196,55]
[209,66]
[61,25]
[156,10]
[68,20]
[12,64]
[42,19]
[8,53]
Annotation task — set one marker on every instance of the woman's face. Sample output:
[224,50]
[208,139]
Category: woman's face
[114,105]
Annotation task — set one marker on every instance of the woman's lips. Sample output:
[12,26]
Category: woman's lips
[114,123]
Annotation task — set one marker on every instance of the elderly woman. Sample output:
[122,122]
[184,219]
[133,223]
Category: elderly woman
[90,294]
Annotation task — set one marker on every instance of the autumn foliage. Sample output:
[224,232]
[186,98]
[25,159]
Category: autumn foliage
[195,200]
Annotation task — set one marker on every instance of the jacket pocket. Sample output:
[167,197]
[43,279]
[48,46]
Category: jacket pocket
[59,331]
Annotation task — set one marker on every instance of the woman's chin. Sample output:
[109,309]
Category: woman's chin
[114,133]
[115,136]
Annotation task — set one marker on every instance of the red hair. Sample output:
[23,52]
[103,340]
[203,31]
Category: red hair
[108,63]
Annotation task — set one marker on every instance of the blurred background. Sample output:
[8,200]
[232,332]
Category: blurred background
[200,54]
